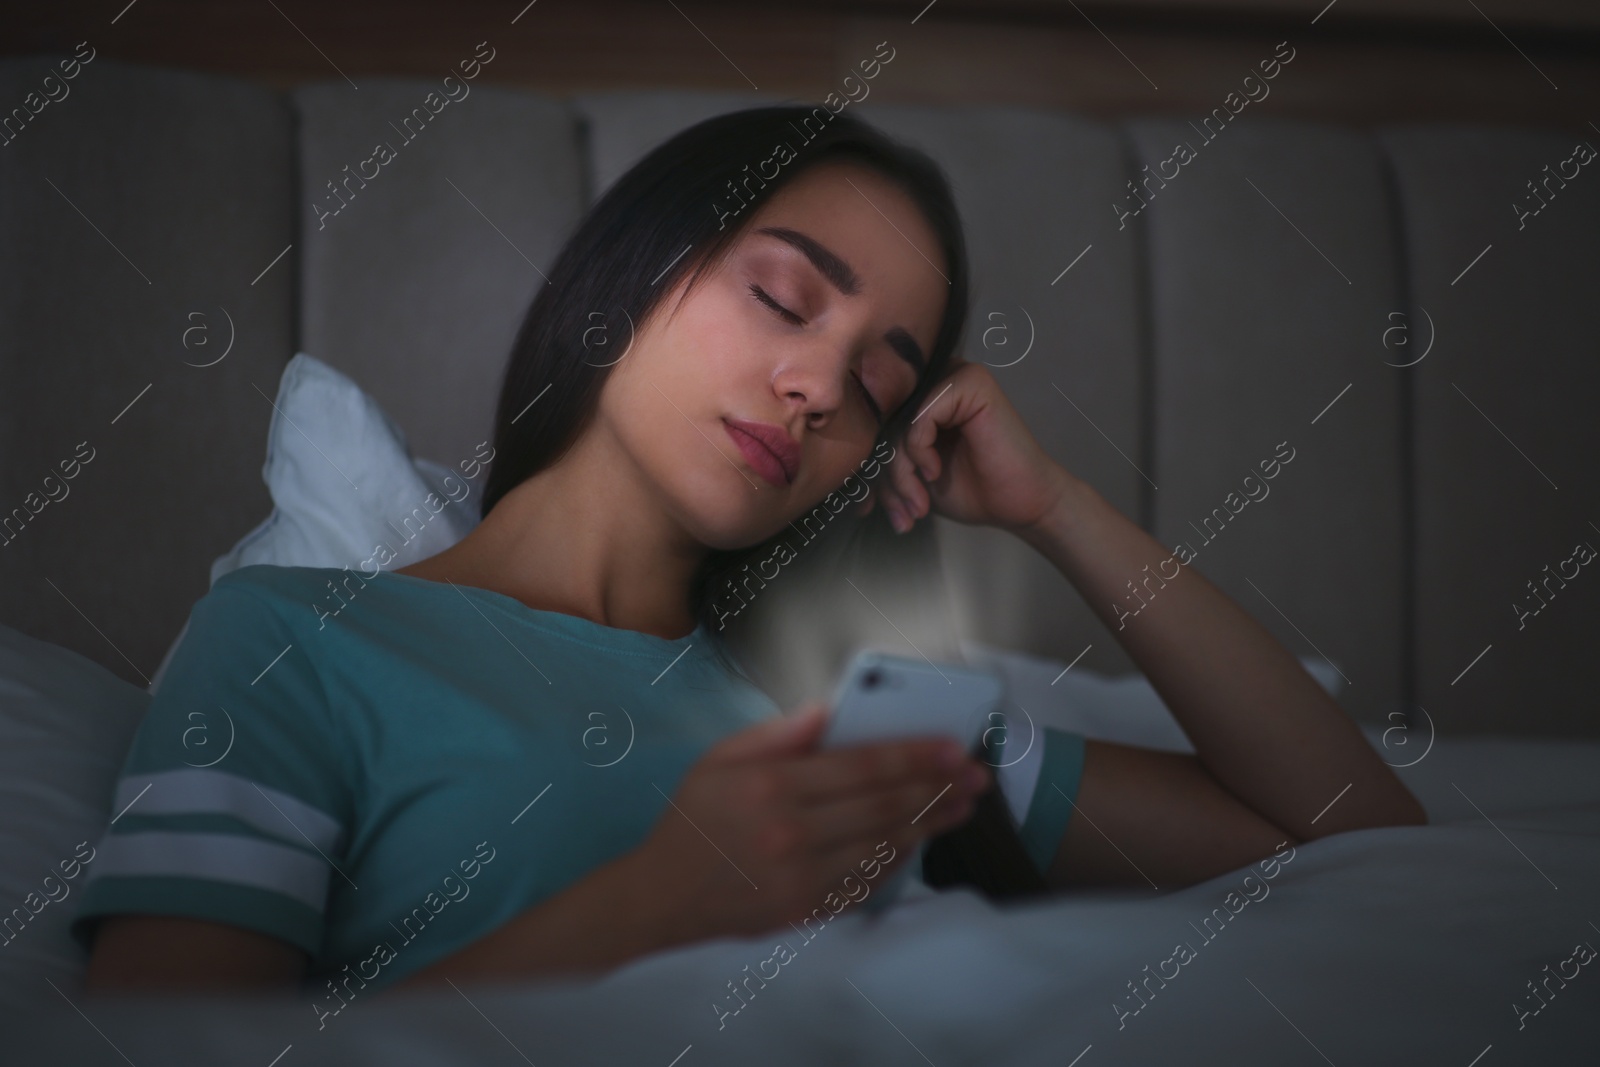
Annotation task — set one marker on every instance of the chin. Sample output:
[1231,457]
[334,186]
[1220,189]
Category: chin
[723,506]
[724,513]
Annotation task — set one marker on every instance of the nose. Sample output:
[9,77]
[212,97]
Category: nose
[814,382]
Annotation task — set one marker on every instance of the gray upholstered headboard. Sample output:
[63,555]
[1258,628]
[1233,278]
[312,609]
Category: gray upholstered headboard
[1260,293]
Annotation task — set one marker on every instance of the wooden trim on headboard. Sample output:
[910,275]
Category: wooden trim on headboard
[1528,62]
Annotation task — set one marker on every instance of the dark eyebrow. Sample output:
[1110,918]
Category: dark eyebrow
[831,266]
[844,279]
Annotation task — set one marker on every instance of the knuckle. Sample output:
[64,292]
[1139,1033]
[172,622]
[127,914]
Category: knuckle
[765,787]
[874,763]
[781,839]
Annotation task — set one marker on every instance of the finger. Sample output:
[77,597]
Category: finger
[781,735]
[917,443]
[917,808]
[893,506]
[943,406]
[953,401]
[913,494]
[835,773]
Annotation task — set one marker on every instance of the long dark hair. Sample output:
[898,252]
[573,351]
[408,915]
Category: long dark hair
[676,213]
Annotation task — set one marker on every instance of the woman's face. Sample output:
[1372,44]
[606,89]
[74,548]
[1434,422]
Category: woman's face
[813,330]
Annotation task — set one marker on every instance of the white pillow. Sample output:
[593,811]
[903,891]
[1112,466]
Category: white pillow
[1124,708]
[65,725]
[343,481]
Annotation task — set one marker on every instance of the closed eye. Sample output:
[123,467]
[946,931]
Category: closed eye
[788,316]
[783,312]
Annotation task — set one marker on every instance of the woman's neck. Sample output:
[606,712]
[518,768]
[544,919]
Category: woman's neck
[583,537]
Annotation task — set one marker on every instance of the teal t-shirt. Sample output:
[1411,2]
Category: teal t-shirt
[383,769]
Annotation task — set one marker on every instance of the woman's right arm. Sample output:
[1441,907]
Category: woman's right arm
[762,829]
[599,921]
[162,953]
[604,919]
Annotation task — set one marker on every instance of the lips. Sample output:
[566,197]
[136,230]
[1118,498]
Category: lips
[769,450]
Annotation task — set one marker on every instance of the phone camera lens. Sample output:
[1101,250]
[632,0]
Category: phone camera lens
[871,678]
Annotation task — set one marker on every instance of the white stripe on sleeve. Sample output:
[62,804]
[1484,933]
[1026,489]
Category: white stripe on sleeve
[217,858]
[203,791]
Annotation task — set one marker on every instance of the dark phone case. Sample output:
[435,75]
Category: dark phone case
[985,852]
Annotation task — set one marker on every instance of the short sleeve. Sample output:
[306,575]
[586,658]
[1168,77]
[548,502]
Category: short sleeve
[1041,789]
[231,804]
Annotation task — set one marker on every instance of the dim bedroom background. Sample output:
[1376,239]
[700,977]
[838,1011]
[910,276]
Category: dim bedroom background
[203,315]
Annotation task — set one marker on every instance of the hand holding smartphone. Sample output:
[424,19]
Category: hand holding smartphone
[884,697]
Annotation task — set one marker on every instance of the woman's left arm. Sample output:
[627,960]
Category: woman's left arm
[1267,737]
[1260,724]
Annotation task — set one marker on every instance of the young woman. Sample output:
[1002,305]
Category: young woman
[411,794]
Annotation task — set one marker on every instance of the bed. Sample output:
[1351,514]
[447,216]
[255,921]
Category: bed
[1464,941]
[1394,541]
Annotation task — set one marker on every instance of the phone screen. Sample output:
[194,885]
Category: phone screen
[883,696]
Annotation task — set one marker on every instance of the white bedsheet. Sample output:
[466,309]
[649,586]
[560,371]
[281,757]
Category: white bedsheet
[1399,946]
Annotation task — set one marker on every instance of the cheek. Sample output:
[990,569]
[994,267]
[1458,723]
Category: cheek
[660,413]
[663,406]
[676,369]
[712,336]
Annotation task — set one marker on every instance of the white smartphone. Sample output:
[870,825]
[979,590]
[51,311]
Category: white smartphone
[883,697]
